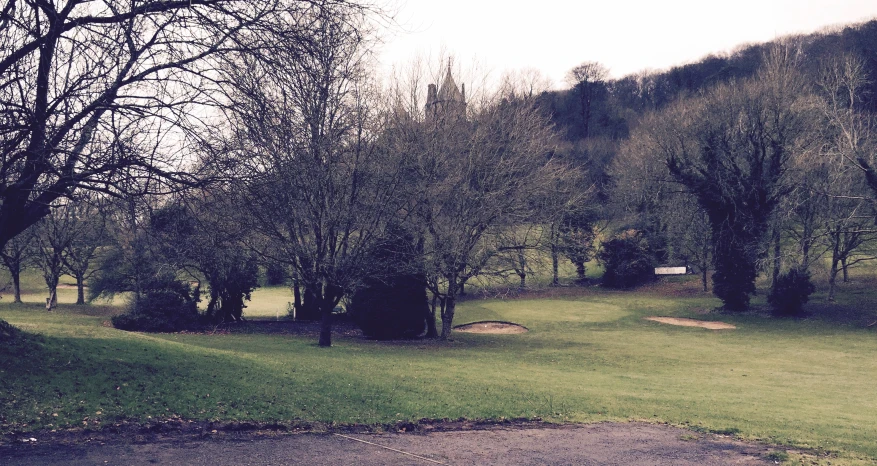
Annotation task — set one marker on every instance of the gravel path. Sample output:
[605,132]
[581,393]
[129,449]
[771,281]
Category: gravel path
[594,444]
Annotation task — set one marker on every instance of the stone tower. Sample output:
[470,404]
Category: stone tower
[447,102]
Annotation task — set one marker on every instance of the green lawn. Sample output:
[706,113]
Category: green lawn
[589,356]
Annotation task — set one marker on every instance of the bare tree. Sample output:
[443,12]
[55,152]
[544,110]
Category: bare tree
[475,178]
[849,181]
[77,75]
[54,235]
[588,80]
[313,183]
[524,84]
[17,255]
[519,251]
[852,131]
[88,233]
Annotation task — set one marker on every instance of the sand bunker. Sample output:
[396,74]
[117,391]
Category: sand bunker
[491,327]
[712,325]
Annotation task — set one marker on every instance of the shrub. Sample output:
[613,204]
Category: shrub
[389,311]
[232,277]
[166,305]
[628,261]
[393,302]
[790,292]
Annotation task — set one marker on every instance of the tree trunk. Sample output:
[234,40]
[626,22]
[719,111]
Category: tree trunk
[843,263]
[777,263]
[449,305]
[326,303]
[522,268]
[832,274]
[705,266]
[16,284]
[805,254]
[296,300]
[448,316]
[431,330]
[80,290]
[586,111]
[328,296]
[325,326]
[212,309]
[832,279]
[555,265]
[310,308]
[52,279]
[52,300]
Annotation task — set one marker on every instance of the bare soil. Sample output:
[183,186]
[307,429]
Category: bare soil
[681,321]
[442,442]
[495,327]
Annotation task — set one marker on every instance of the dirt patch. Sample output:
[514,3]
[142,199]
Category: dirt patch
[495,327]
[711,325]
[526,442]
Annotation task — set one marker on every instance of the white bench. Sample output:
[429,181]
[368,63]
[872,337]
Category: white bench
[671,271]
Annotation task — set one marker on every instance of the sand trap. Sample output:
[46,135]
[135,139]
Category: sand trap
[712,325]
[491,327]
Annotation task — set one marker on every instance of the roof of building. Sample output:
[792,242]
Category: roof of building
[449,90]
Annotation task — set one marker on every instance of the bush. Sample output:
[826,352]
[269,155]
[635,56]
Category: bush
[390,311]
[393,302]
[628,261]
[232,277]
[167,305]
[790,292]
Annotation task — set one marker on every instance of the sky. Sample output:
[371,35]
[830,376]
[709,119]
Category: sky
[626,36]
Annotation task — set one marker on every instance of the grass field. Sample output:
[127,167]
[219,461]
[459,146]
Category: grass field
[589,356]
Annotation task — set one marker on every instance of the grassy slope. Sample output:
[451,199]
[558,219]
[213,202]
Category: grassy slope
[591,357]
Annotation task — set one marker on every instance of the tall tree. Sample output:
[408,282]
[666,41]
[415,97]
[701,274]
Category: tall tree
[77,75]
[588,82]
[311,181]
[848,185]
[732,149]
[474,178]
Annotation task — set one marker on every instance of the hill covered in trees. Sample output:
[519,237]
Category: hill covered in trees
[595,112]
[758,162]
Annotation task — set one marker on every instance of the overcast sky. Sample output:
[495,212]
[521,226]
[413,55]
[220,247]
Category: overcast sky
[627,36]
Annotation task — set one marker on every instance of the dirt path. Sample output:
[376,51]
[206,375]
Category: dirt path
[594,444]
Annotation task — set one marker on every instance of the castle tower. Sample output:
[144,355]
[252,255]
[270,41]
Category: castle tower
[446,102]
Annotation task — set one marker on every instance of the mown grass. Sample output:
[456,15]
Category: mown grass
[589,356]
